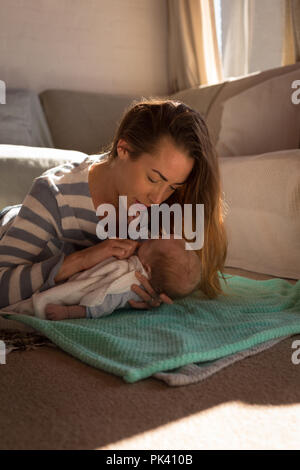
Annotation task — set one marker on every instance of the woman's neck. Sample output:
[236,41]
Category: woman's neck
[102,184]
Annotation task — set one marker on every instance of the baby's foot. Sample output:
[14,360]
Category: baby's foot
[56,312]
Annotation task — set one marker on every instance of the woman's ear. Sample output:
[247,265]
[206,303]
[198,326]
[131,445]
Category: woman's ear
[148,270]
[123,149]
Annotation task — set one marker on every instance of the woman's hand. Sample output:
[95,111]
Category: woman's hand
[121,248]
[89,257]
[150,297]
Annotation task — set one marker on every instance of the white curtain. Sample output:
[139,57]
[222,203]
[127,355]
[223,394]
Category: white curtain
[296,27]
[238,18]
[252,35]
[193,52]
[291,47]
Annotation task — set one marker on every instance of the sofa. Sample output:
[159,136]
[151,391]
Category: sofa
[49,399]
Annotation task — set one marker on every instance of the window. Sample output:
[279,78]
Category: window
[250,35]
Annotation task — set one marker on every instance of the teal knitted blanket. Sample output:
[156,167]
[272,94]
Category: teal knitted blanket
[135,344]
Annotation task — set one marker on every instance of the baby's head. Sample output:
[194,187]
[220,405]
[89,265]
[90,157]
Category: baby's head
[171,268]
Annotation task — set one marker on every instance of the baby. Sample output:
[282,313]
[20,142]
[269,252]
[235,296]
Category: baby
[169,267]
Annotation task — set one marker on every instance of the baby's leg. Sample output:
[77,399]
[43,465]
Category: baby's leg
[62,312]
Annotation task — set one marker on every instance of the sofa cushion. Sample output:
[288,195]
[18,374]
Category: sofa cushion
[209,99]
[87,121]
[199,98]
[22,120]
[263,219]
[261,119]
[19,165]
[236,85]
[83,121]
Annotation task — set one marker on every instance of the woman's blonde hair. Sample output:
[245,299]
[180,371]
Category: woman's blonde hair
[142,126]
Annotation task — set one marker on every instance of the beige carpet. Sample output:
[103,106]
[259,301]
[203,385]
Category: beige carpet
[49,400]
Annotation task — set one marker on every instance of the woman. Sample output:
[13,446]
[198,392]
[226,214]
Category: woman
[161,153]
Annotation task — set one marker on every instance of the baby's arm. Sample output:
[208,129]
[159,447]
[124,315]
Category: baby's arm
[64,312]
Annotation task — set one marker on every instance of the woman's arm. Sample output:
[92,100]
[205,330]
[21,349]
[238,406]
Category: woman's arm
[33,253]
[31,248]
[89,257]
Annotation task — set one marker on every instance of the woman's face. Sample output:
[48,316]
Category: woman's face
[151,179]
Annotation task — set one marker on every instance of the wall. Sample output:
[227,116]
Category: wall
[117,46]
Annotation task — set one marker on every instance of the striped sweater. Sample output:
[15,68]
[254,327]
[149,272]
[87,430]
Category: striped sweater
[56,218]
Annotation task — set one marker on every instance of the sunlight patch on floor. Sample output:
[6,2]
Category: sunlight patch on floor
[233,425]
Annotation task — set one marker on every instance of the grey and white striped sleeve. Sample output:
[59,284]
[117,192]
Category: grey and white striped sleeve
[31,250]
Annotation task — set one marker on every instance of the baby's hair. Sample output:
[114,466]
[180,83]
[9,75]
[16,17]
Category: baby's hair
[176,276]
